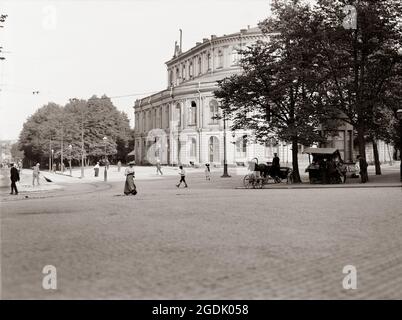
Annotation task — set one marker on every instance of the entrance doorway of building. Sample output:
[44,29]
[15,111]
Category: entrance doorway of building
[214,150]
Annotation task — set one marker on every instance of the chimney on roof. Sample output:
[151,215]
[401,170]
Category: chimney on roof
[243,30]
[213,36]
[205,40]
[197,43]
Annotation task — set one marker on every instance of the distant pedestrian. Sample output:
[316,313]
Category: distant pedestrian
[96,169]
[14,177]
[118,166]
[363,169]
[182,177]
[130,187]
[207,172]
[35,174]
[158,167]
[19,166]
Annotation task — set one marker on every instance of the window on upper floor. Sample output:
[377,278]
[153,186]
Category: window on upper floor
[199,65]
[184,72]
[193,147]
[177,76]
[235,57]
[190,70]
[220,59]
[192,114]
[209,61]
[178,115]
[214,111]
[171,78]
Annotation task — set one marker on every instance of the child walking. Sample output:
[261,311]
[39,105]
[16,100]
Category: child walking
[207,172]
[182,177]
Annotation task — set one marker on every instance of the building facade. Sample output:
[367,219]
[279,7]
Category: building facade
[181,125]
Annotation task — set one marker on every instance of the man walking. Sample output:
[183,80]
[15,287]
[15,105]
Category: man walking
[182,177]
[363,169]
[14,176]
[35,174]
[158,167]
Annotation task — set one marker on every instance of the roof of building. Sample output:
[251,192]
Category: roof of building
[206,41]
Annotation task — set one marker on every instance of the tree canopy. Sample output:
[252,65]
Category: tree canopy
[53,126]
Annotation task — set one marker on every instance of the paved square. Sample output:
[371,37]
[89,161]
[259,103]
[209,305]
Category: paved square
[209,241]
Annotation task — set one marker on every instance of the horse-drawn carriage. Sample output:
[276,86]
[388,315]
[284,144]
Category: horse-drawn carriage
[327,166]
[262,174]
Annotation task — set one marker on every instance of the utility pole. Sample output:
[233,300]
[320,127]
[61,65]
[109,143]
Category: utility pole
[61,152]
[82,145]
[225,164]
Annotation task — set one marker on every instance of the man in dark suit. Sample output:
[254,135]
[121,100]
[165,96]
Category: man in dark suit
[276,168]
[14,176]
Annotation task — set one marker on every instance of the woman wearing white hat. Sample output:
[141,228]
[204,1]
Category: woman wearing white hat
[129,187]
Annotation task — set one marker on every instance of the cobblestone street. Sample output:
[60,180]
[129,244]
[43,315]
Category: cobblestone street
[205,242]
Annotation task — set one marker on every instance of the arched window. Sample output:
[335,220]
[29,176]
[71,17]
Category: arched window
[220,59]
[241,146]
[193,147]
[209,61]
[214,111]
[192,114]
[213,149]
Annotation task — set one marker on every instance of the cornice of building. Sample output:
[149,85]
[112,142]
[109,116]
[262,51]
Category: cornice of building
[244,35]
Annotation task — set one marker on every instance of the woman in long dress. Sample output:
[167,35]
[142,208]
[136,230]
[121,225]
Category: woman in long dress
[129,187]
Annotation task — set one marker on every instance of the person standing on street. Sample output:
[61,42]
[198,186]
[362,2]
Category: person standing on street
[182,177]
[207,172]
[158,167]
[118,166]
[96,169]
[130,187]
[14,176]
[276,167]
[363,169]
[35,174]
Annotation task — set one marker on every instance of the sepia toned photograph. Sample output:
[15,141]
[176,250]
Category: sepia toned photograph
[216,150]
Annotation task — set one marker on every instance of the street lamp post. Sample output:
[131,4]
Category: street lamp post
[399,115]
[105,172]
[225,164]
[70,147]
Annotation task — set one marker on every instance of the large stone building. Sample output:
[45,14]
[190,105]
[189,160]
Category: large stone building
[178,125]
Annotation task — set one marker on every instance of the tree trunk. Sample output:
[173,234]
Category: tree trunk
[362,142]
[376,158]
[295,162]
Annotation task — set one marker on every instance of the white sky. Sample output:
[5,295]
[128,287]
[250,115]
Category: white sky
[67,49]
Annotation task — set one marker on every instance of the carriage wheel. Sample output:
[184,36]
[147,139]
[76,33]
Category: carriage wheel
[259,183]
[248,181]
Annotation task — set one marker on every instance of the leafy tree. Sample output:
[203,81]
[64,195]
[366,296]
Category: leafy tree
[88,121]
[276,94]
[360,64]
